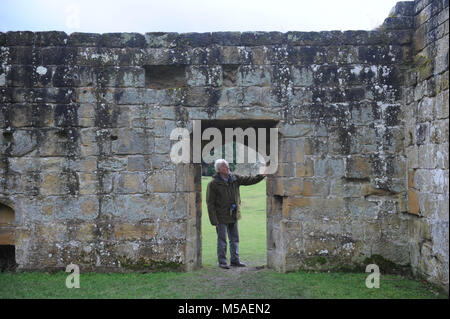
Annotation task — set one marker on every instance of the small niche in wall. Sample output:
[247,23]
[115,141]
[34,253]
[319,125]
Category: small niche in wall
[165,76]
[230,73]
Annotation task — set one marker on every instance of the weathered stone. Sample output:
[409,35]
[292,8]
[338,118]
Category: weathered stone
[296,130]
[134,232]
[249,75]
[85,122]
[161,182]
[131,183]
[347,190]
[413,201]
[137,163]
[403,8]
[132,141]
[186,180]
[294,203]
[357,167]
[202,75]
[287,186]
[88,183]
[304,169]
[393,23]
[286,169]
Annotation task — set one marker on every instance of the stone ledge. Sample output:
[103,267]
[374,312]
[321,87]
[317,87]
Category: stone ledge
[205,39]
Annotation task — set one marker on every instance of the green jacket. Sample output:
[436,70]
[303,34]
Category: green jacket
[221,195]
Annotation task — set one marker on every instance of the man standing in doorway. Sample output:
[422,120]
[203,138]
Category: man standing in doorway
[223,202]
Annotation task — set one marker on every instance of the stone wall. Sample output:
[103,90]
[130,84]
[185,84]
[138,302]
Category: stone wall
[85,124]
[426,141]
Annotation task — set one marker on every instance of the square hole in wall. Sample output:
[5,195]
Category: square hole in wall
[230,72]
[165,76]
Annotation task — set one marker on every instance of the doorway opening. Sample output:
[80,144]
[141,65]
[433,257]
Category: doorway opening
[7,242]
[253,224]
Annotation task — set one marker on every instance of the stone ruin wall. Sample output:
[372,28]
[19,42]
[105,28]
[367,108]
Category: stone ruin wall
[363,118]
[426,141]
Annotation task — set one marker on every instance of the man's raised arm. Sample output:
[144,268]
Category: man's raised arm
[249,180]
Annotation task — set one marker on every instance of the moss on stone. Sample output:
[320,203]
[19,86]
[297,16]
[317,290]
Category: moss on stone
[321,263]
[423,66]
[313,261]
[386,266]
[148,264]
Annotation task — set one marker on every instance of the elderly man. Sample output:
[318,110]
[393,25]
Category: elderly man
[223,201]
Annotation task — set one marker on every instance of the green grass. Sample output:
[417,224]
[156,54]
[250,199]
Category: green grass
[252,226]
[213,282]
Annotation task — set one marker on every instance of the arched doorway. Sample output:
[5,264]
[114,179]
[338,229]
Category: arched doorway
[7,238]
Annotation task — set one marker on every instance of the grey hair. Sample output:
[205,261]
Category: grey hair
[219,162]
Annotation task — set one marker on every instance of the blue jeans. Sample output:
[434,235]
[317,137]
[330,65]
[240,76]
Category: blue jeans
[233,235]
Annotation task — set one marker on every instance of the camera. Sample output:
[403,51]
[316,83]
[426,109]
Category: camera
[233,208]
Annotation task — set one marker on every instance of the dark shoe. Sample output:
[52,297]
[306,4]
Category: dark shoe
[224,266]
[238,264]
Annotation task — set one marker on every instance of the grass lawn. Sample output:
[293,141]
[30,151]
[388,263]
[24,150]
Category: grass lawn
[213,282]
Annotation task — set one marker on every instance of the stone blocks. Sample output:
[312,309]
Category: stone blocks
[85,121]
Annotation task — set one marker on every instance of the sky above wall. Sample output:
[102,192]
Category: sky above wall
[101,16]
